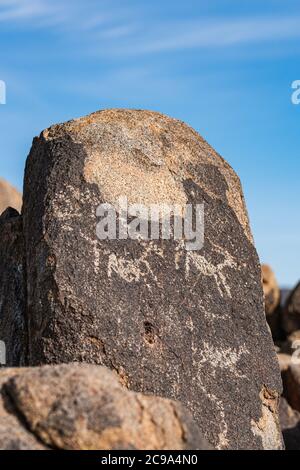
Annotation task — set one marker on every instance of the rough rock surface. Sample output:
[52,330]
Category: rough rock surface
[9,197]
[188,325]
[291,314]
[272,300]
[290,425]
[12,288]
[84,407]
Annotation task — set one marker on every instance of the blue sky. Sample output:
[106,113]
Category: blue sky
[223,66]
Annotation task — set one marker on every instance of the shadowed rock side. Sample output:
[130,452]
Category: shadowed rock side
[85,407]
[9,197]
[12,288]
[187,325]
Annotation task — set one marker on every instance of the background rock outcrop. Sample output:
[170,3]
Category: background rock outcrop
[290,424]
[272,300]
[9,197]
[291,380]
[291,313]
[271,289]
[187,325]
[288,354]
[84,407]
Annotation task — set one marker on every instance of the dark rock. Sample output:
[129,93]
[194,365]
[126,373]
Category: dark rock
[9,197]
[188,325]
[290,425]
[84,407]
[291,313]
[12,288]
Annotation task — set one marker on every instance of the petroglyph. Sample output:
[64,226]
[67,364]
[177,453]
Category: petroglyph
[207,268]
[130,270]
[224,358]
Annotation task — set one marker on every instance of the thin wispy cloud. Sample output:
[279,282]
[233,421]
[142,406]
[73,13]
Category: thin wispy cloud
[20,10]
[217,33]
[67,16]
[115,28]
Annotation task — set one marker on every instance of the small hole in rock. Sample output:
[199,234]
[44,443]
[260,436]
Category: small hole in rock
[150,333]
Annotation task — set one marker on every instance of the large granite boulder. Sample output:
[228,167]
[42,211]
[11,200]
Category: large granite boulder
[13,334]
[171,320]
[9,197]
[84,407]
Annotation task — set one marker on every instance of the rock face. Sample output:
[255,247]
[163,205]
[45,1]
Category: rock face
[9,197]
[272,300]
[12,288]
[178,323]
[290,425]
[85,407]
[291,314]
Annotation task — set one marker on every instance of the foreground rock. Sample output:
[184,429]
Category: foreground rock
[85,407]
[12,288]
[290,425]
[9,197]
[182,324]
[272,300]
[291,314]
[14,434]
